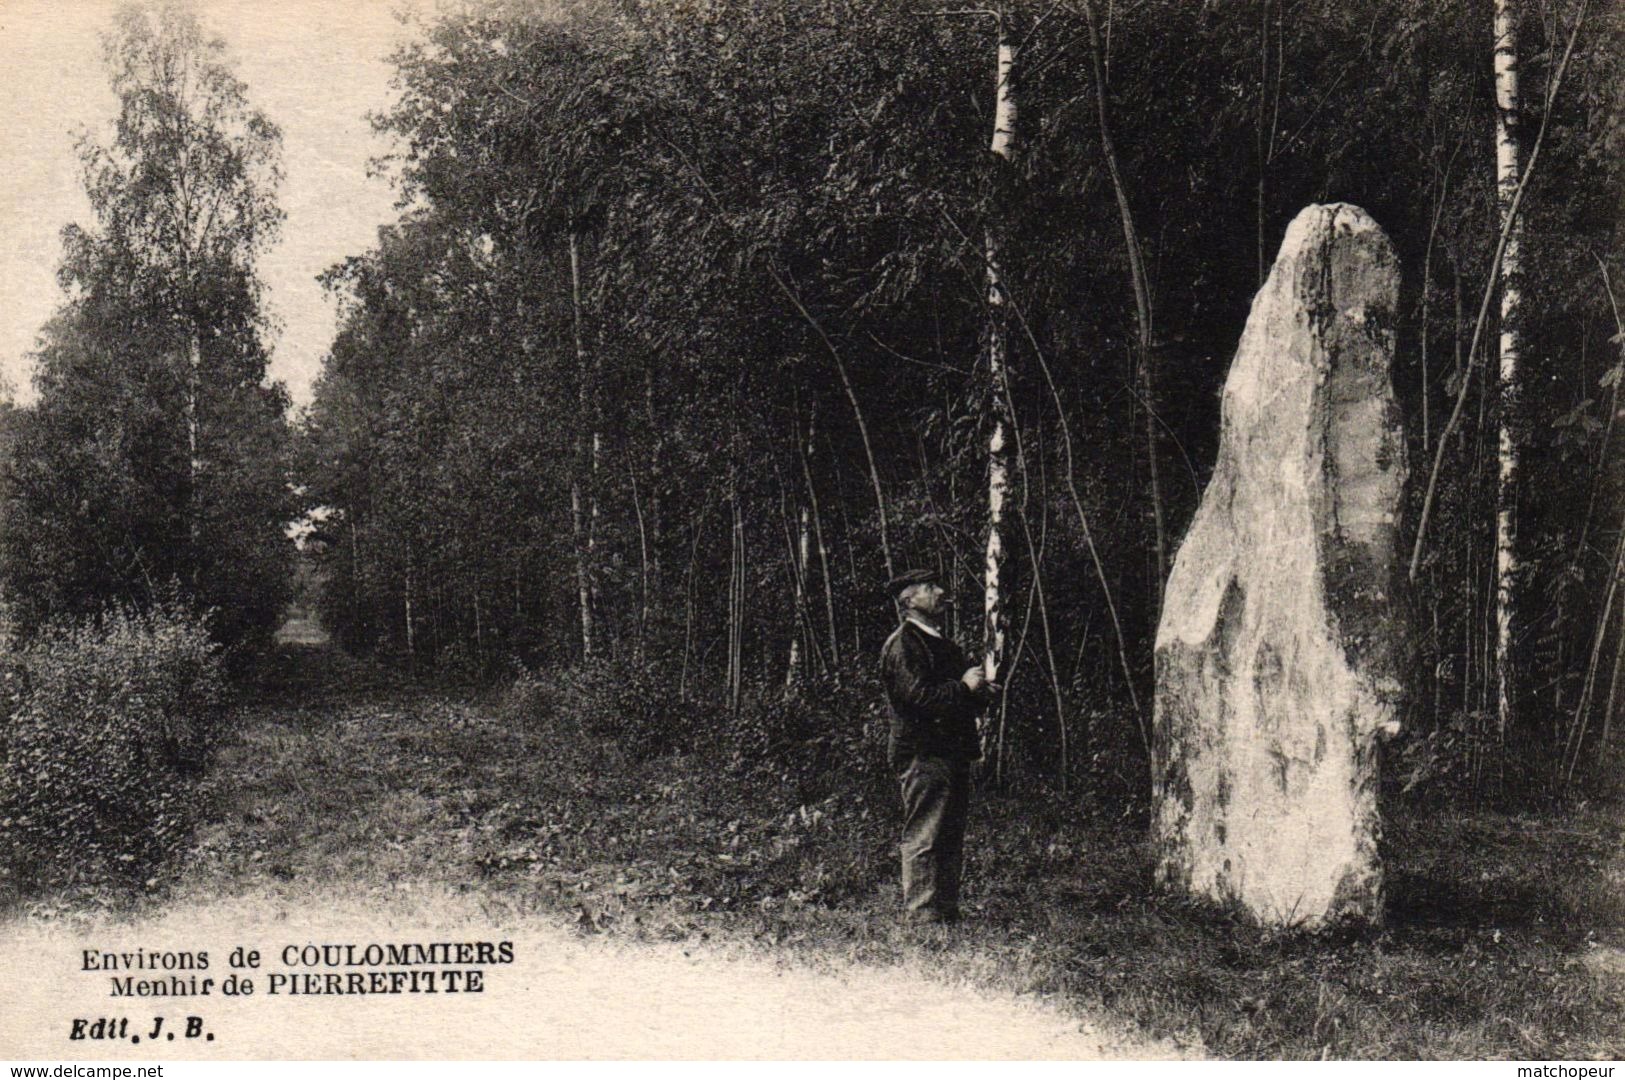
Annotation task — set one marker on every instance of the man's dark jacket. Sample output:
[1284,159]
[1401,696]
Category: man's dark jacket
[932,712]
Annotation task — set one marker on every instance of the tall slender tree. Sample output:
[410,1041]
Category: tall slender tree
[1003,148]
[589,445]
[185,191]
[1141,287]
[1507,180]
[187,478]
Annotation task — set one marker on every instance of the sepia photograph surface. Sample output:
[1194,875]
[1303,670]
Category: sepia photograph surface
[812,530]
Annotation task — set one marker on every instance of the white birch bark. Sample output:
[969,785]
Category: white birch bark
[583,588]
[1507,181]
[1003,147]
[194,382]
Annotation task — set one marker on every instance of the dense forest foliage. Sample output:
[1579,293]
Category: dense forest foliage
[146,492]
[702,319]
[154,465]
[683,343]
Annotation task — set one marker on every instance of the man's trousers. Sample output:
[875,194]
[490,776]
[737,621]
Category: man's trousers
[936,802]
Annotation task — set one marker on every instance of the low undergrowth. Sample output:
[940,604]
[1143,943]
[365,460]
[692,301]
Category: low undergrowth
[1503,936]
[104,729]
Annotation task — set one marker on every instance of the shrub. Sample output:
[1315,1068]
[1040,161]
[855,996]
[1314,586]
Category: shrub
[632,706]
[819,735]
[109,723]
[526,702]
[637,707]
[1437,763]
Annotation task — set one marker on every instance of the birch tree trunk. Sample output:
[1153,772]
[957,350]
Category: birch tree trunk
[1003,148]
[583,589]
[194,466]
[582,519]
[1507,183]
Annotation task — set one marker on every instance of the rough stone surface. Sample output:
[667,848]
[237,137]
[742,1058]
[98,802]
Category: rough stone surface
[1278,654]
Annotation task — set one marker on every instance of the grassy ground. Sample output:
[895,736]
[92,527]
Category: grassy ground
[1504,938]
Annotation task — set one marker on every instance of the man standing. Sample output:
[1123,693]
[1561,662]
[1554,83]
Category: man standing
[935,697]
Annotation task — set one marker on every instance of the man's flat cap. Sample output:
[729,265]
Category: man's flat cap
[912,577]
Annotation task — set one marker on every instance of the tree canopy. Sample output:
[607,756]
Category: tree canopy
[155,459]
[715,265]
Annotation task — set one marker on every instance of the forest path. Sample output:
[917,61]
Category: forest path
[347,811]
[564,996]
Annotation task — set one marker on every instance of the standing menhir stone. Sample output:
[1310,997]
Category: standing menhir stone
[1281,637]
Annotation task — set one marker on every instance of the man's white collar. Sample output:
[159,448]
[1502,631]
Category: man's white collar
[923,625]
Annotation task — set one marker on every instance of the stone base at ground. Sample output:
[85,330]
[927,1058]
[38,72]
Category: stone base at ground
[1279,649]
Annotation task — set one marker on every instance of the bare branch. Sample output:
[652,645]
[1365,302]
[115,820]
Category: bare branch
[915,360]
